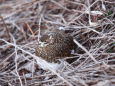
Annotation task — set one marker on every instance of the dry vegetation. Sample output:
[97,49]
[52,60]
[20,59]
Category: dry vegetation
[91,22]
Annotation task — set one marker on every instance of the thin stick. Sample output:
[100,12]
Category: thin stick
[16,58]
[8,35]
[91,56]
[30,29]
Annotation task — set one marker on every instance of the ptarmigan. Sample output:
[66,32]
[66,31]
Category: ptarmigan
[55,45]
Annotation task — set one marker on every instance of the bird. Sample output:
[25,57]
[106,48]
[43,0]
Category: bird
[55,45]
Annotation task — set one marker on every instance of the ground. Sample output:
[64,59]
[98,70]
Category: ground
[90,22]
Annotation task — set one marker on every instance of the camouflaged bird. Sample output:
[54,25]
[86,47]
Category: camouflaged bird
[54,46]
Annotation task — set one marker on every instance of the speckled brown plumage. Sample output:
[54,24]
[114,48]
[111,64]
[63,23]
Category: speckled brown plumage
[57,45]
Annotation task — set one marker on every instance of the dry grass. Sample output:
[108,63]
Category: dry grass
[91,22]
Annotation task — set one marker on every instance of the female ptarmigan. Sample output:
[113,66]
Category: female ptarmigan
[54,46]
